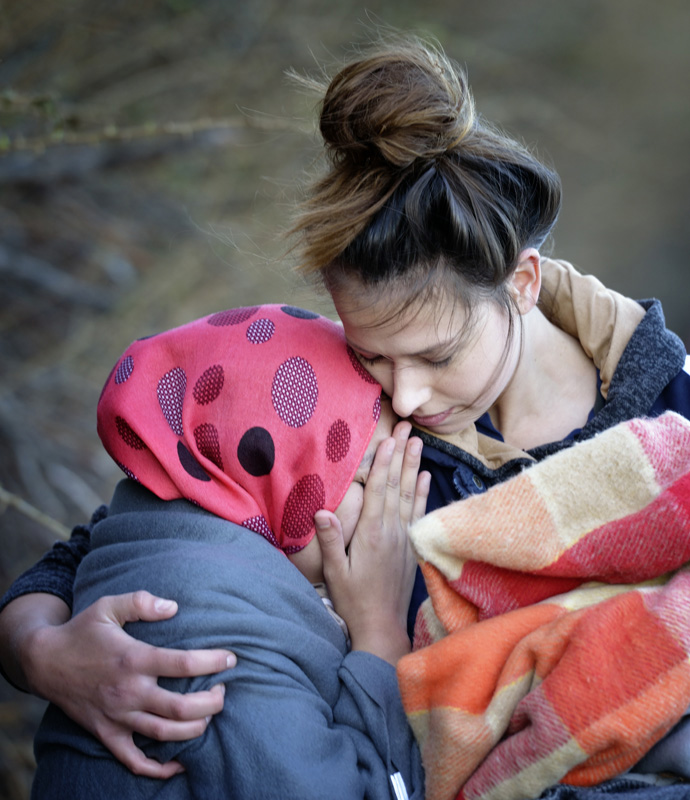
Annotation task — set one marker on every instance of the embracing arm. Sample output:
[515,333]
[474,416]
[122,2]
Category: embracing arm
[87,665]
[40,596]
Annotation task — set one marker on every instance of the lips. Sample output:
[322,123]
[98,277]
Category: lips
[436,419]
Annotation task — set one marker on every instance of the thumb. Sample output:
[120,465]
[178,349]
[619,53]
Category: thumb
[329,532]
[133,606]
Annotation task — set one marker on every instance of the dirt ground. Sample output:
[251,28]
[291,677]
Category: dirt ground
[150,154]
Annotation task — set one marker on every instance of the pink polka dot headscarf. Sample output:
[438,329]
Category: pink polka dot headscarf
[260,415]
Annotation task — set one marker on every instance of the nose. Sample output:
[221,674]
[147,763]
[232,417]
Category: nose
[410,392]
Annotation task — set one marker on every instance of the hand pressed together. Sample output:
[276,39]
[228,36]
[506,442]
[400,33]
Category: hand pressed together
[370,581]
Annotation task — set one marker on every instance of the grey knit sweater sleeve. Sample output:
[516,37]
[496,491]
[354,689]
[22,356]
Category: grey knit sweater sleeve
[54,573]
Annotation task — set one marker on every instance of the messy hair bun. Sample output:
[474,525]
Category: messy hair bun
[416,181]
[396,107]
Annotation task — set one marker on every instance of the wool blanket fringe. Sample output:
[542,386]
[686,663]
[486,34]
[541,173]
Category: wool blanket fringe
[554,646]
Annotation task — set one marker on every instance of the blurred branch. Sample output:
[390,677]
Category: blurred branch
[42,105]
[10,499]
[45,276]
[113,133]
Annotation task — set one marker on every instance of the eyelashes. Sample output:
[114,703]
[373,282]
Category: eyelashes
[440,364]
[370,361]
[433,364]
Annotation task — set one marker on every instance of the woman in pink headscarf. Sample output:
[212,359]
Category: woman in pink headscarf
[235,431]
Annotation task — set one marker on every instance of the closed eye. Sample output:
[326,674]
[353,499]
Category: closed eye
[435,364]
[439,364]
[372,360]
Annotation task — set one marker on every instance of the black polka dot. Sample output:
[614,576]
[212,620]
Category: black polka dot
[190,464]
[256,452]
[299,313]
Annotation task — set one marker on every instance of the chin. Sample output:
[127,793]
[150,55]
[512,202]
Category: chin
[450,427]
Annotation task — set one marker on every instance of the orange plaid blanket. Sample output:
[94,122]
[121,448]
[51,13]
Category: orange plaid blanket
[555,642]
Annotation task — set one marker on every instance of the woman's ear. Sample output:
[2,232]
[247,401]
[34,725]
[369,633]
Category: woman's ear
[524,284]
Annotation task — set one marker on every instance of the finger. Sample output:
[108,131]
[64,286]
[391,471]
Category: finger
[168,663]
[189,707]
[377,484]
[401,435]
[166,730]
[421,496]
[392,505]
[402,430]
[329,532]
[408,480]
[161,662]
[124,750]
[134,606]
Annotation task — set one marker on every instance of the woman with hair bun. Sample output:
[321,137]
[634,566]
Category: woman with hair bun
[426,228]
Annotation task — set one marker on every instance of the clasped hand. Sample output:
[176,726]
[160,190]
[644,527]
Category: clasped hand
[370,581]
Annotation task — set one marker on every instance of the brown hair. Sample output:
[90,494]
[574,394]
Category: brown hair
[417,183]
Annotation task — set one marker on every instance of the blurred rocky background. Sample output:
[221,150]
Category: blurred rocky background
[149,156]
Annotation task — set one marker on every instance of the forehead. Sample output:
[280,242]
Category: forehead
[421,324]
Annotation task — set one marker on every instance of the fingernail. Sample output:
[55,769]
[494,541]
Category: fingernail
[208,719]
[322,524]
[230,661]
[164,605]
[415,446]
[222,689]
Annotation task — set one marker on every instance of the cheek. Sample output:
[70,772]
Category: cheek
[478,374]
[309,561]
[349,510]
[491,365]
[382,372]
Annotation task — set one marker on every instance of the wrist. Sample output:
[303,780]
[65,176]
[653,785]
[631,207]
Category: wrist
[33,650]
[25,625]
[389,643]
